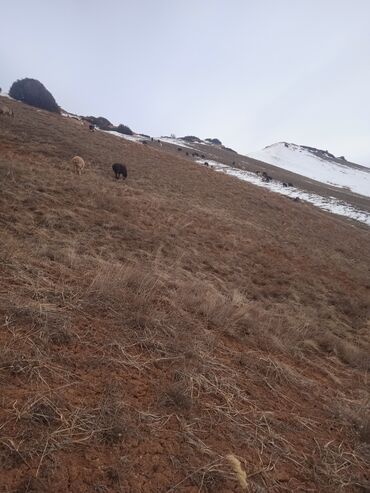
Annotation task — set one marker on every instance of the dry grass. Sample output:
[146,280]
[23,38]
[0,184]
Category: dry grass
[177,395]
[150,328]
[240,474]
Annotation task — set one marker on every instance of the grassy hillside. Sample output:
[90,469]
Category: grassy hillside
[303,183]
[152,327]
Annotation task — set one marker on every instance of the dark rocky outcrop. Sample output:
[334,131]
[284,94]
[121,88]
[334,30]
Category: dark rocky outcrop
[34,93]
[214,141]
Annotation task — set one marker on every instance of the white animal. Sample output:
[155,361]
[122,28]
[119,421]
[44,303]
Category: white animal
[4,110]
[79,164]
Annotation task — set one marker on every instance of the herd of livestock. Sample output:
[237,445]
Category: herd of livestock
[120,170]
[78,162]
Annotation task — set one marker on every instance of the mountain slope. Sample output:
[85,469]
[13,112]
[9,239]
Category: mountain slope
[336,200]
[152,327]
[318,165]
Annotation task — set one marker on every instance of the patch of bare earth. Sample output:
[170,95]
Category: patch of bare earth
[178,332]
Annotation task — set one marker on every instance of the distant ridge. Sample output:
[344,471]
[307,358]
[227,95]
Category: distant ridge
[317,164]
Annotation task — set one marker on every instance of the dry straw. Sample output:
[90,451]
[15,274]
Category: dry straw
[240,474]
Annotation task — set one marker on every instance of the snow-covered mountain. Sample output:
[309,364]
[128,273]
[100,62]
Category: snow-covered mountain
[318,165]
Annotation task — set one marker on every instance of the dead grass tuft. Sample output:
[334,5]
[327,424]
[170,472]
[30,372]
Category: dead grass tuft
[352,355]
[215,308]
[31,365]
[177,395]
[112,421]
[128,290]
[42,410]
[240,474]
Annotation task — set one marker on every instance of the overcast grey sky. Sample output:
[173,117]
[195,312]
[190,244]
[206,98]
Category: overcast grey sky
[250,72]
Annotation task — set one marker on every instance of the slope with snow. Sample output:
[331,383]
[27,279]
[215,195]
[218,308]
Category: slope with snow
[317,165]
[329,204]
[139,139]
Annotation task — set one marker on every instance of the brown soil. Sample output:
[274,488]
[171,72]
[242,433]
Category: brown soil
[152,327]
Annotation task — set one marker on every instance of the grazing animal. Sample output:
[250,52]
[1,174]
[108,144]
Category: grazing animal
[203,156]
[285,184]
[290,184]
[120,169]
[91,128]
[179,149]
[151,138]
[265,177]
[206,164]
[187,153]
[79,164]
[4,110]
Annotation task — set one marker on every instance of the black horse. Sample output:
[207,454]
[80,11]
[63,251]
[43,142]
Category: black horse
[119,169]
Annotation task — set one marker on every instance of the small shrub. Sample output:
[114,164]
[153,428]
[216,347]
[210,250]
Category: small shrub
[32,92]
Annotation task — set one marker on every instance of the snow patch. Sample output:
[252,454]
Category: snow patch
[329,204]
[175,142]
[303,162]
[6,95]
[71,115]
[133,138]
